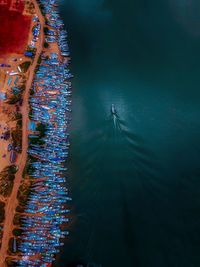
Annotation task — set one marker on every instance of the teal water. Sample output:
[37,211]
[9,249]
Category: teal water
[135,178]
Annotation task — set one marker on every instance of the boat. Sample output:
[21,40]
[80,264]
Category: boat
[113,110]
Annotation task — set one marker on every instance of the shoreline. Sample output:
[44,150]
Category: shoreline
[39,196]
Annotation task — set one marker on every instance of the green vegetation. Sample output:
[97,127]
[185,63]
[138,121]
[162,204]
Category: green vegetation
[42,9]
[6,187]
[39,60]
[2,211]
[7,177]
[16,135]
[16,116]
[2,215]
[19,123]
[38,64]
[25,65]
[2,205]
[17,219]
[41,128]
[37,140]
[8,171]
[23,194]
[17,232]
[12,169]
[13,99]
[46,45]
[37,68]
[46,30]
[28,169]
[30,114]
[32,92]
[9,261]
[19,209]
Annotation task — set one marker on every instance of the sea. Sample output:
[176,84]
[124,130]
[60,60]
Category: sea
[134,176]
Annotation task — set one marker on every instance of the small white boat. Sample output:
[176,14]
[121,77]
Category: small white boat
[113,110]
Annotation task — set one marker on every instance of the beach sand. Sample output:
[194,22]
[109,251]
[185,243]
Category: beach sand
[15,32]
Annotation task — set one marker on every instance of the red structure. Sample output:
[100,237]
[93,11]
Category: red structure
[14,28]
[14,5]
[4,2]
[17,5]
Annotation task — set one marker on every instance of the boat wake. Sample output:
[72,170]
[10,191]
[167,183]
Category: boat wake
[117,173]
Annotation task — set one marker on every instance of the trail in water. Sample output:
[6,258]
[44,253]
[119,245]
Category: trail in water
[116,173]
[121,199]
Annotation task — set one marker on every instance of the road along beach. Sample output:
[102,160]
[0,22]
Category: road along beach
[38,103]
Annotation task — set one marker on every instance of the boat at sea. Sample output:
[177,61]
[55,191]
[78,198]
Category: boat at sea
[113,110]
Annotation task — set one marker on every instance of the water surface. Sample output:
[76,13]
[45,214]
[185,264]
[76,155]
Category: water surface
[135,178]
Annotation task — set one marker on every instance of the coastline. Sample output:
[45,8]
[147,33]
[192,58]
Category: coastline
[39,192]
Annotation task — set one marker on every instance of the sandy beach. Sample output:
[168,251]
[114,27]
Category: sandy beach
[38,58]
[11,201]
